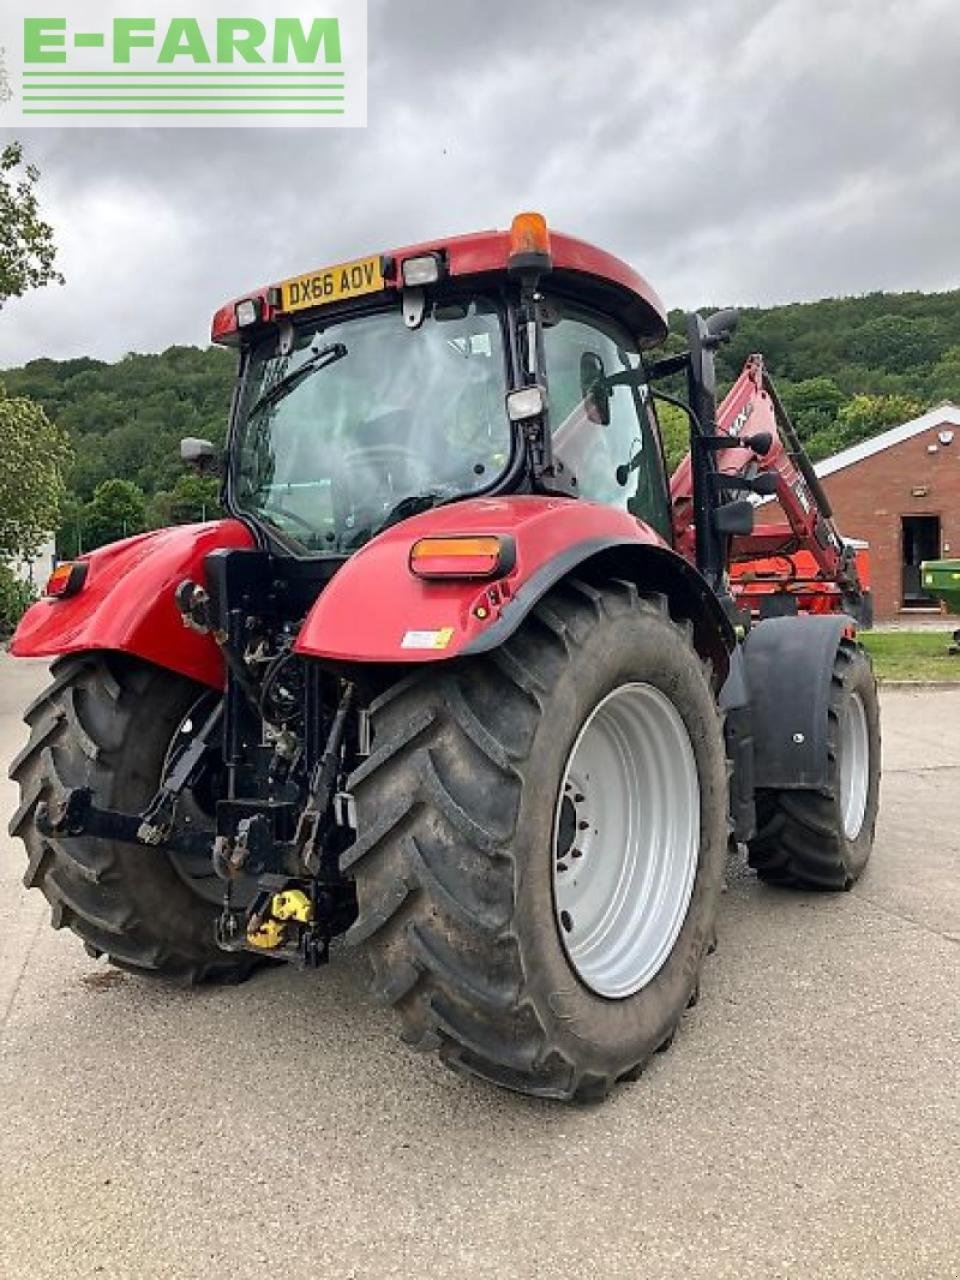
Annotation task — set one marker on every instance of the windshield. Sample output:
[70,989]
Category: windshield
[367,421]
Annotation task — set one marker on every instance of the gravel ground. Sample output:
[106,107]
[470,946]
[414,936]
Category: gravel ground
[805,1123]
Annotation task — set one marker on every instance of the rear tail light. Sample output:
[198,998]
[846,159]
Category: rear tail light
[462,557]
[66,579]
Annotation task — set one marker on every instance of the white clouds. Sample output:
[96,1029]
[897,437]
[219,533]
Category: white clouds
[745,152]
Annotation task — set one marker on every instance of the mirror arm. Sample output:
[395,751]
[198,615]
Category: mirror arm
[668,366]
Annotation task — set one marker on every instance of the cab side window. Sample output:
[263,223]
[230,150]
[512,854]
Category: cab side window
[605,436]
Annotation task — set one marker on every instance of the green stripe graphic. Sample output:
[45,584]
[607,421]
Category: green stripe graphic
[181,97]
[183,73]
[183,111]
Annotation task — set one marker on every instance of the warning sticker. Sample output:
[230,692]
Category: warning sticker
[428,639]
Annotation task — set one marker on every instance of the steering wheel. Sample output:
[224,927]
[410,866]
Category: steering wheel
[289,515]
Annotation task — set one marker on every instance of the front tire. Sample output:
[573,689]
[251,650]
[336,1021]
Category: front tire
[454,861]
[106,722]
[823,839]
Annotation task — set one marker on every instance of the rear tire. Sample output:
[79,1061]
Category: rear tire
[106,723]
[823,839]
[454,857]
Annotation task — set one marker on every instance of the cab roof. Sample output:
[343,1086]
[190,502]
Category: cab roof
[575,268]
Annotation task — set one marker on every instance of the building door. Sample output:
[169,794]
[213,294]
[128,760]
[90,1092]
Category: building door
[920,541]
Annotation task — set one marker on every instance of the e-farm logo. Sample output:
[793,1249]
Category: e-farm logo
[97,64]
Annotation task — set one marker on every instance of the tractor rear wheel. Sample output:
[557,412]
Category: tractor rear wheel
[541,838]
[107,722]
[823,839]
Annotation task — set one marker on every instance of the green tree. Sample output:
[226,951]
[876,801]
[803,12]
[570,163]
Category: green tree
[27,251]
[866,416]
[675,431]
[15,597]
[863,417]
[191,499]
[34,452]
[812,404]
[898,343]
[116,510]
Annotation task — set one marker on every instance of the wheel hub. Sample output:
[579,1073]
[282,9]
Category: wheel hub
[626,840]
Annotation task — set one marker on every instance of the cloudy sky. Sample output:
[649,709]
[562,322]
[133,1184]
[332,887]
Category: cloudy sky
[751,151]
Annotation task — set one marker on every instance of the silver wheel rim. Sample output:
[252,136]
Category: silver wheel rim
[854,766]
[626,841]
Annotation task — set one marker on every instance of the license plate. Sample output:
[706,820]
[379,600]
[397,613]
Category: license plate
[332,284]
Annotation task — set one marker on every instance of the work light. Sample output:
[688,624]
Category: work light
[526,403]
[418,272]
[248,312]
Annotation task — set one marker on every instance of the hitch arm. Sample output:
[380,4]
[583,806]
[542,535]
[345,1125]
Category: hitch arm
[74,814]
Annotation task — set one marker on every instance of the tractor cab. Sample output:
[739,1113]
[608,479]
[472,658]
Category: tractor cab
[487,365]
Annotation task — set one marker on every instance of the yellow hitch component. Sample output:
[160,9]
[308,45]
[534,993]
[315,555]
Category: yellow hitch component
[292,905]
[268,936]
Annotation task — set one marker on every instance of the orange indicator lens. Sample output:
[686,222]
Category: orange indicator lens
[458,557]
[66,579]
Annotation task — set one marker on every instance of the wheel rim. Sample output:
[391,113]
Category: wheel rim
[626,841]
[854,766]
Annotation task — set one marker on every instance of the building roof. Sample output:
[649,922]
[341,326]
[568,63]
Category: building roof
[945,415]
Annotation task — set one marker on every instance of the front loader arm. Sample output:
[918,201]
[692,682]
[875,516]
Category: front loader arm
[752,407]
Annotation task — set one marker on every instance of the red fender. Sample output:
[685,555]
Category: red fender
[126,603]
[377,610]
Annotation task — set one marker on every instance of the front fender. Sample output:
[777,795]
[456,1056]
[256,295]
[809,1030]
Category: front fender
[376,610]
[127,603]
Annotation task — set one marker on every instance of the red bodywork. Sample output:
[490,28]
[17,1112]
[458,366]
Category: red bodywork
[793,575]
[126,603]
[375,606]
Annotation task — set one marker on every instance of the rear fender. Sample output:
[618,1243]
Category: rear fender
[127,603]
[377,611]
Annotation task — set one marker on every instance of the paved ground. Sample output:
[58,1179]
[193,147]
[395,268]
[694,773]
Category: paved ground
[806,1122]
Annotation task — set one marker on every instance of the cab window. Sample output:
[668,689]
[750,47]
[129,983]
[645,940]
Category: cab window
[605,436]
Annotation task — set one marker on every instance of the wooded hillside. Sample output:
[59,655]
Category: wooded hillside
[846,368]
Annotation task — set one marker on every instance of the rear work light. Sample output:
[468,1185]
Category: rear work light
[418,272]
[248,312]
[66,579]
[461,556]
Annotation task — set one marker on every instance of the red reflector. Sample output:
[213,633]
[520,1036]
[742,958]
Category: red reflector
[462,557]
[66,579]
[224,323]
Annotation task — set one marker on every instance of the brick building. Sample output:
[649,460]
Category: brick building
[900,492]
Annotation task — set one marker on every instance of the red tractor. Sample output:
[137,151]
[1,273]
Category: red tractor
[459,677]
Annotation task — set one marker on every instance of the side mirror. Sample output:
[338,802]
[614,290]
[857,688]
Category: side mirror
[201,455]
[734,519]
[594,388]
